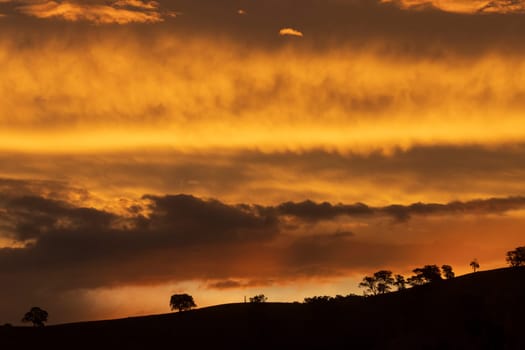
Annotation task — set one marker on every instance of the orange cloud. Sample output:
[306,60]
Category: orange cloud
[464,6]
[147,5]
[291,32]
[120,12]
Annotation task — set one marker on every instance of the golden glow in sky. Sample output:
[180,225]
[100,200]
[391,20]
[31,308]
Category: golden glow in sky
[289,99]
[246,147]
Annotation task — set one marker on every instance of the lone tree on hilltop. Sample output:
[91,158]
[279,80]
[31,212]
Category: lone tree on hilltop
[516,257]
[425,274]
[182,302]
[447,272]
[37,316]
[474,264]
[258,299]
[380,283]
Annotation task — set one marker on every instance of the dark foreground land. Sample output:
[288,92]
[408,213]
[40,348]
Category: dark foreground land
[485,310]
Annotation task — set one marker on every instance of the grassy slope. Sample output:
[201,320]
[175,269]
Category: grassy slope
[485,310]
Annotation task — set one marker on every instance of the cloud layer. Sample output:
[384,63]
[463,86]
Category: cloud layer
[54,246]
[432,173]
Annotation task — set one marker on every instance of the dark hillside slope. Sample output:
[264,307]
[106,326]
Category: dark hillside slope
[485,310]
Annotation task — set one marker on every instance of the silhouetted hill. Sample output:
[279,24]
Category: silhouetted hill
[485,310]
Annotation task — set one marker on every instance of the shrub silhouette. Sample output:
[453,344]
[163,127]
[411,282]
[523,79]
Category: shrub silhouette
[258,299]
[37,316]
[516,257]
[182,302]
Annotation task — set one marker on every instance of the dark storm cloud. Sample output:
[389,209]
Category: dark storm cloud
[181,231]
[87,238]
[309,210]
[312,211]
[180,220]
[479,206]
[209,221]
[32,217]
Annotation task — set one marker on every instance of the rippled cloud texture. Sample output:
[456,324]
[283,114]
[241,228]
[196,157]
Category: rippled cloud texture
[224,148]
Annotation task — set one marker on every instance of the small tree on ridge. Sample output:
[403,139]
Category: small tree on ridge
[474,264]
[258,299]
[37,316]
[182,302]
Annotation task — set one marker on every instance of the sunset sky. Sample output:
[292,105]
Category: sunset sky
[227,148]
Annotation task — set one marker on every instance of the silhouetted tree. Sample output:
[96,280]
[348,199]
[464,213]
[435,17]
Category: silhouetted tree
[516,257]
[380,283]
[182,302]
[37,316]
[258,299]
[370,285]
[474,264]
[400,282]
[447,272]
[385,281]
[425,274]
